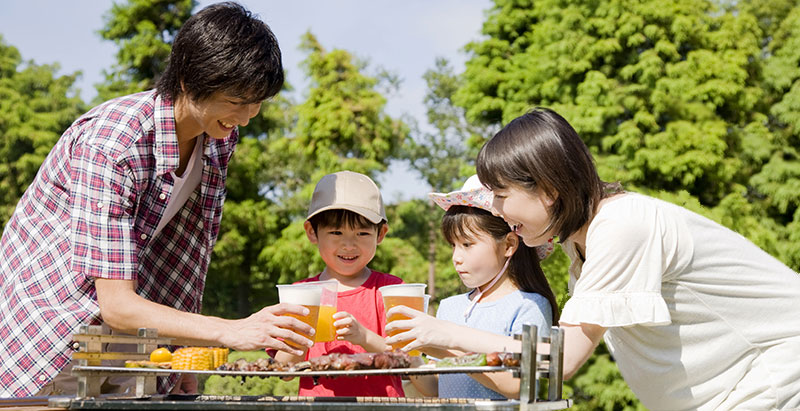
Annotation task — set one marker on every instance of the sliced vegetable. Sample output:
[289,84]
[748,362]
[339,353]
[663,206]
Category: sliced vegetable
[466,360]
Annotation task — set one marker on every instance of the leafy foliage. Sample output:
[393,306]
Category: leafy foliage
[342,125]
[143,30]
[778,181]
[602,386]
[36,106]
[441,156]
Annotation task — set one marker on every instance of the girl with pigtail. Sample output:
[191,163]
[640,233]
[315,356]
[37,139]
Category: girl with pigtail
[508,286]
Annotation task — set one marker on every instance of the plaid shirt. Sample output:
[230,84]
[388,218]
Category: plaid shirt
[91,212]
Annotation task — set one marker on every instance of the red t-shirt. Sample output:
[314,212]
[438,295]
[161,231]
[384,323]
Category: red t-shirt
[366,305]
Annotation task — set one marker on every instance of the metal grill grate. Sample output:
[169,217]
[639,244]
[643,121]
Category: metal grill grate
[88,368]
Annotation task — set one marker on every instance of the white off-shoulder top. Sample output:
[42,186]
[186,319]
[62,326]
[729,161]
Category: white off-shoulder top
[698,317]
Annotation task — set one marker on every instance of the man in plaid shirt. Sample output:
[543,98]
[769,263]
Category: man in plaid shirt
[119,224]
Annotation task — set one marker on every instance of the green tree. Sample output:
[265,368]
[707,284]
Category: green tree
[441,155]
[656,89]
[342,123]
[36,106]
[778,181]
[143,30]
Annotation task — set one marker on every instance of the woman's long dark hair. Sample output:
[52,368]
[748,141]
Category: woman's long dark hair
[540,149]
[461,222]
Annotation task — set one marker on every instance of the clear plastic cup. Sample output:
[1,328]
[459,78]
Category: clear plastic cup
[327,307]
[410,295]
[308,295]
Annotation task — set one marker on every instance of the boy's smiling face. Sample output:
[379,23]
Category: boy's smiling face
[345,250]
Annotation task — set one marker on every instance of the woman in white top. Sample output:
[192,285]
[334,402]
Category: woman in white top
[696,316]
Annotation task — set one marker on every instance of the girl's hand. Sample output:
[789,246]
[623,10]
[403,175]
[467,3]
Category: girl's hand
[429,332]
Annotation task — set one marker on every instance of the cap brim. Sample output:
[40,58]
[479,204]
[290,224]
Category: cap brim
[370,215]
[441,199]
[469,198]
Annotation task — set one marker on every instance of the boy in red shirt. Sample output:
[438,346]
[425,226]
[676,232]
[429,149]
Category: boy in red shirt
[347,221]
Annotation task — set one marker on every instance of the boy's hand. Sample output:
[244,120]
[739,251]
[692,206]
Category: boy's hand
[349,329]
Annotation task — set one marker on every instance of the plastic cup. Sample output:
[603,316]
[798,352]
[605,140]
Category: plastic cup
[410,295]
[306,294]
[327,307]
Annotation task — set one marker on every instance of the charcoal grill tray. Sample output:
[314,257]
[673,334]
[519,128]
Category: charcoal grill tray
[291,403]
[294,403]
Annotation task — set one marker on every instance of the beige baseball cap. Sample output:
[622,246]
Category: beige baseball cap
[347,190]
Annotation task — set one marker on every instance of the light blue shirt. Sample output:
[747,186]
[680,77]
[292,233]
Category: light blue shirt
[505,317]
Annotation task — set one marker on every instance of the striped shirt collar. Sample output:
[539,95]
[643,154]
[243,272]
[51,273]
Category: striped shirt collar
[216,152]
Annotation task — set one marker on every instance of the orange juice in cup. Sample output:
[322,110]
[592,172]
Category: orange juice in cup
[410,295]
[325,330]
[327,307]
[306,294]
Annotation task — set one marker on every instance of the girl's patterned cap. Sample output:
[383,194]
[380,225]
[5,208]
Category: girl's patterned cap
[472,194]
[475,194]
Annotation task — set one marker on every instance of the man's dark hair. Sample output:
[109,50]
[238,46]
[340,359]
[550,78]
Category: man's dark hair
[342,218]
[223,48]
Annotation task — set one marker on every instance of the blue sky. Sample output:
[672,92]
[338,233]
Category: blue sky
[404,37]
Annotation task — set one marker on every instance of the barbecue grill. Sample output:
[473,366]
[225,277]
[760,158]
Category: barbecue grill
[89,369]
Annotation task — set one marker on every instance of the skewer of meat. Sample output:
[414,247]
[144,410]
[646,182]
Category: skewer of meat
[334,361]
[496,359]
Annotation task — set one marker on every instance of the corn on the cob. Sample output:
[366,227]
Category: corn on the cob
[192,358]
[220,356]
[199,358]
